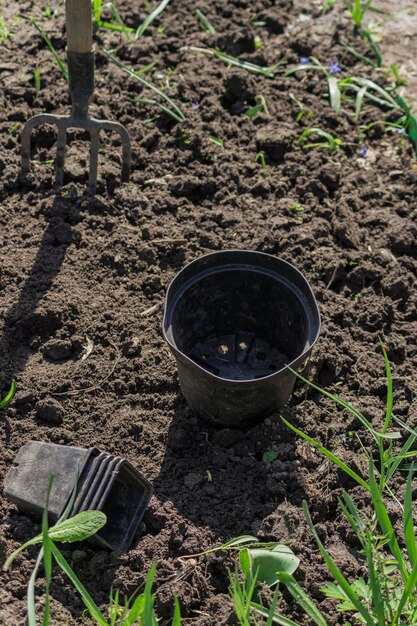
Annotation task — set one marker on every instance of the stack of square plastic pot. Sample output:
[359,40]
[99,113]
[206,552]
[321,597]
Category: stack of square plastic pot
[106,482]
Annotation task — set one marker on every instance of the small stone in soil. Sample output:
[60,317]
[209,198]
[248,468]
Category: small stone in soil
[49,410]
[132,347]
[193,480]
[78,555]
[57,349]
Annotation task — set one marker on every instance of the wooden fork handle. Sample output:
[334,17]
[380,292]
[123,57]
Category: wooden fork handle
[79,20]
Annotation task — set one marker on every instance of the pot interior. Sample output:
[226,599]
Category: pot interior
[240,324]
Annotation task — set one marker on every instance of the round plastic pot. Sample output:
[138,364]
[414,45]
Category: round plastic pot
[236,321]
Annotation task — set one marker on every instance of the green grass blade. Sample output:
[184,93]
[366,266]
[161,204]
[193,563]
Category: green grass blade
[271,613]
[31,591]
[120,26]
[334,93]
[240,541]
[372,85]
[302,67]
[148,20]
[409,535]
[404,450]
[268,71]
[51,48]
[161,106]
[147,84]
[408,591]
[351,514]
[96,11]
[148,613]
[349,407]
[359,101]
[209,28]
[47,557]
[375,49]
[385,524]
[8,397]
[302,598]
[388,413]
[93,609]
[345,468]
[378,602]
[337,574]
[358,55]
[47,560]
[176,620]
[245,65]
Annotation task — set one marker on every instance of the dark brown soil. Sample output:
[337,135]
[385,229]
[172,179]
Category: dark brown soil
[78,271]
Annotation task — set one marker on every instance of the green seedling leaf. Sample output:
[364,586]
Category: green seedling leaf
[257,108]
[77,528]
[268,562]
[8,397]
[269,456]
[302,598]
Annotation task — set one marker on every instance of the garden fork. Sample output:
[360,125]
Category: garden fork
[80,57]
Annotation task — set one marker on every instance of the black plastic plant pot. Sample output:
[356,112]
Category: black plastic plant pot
[106,483]
[235,322]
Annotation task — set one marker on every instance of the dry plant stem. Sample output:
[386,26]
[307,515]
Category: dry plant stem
[76,392]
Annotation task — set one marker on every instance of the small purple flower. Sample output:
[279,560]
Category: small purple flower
[305,61]
[363,152]
[195,106]
[401,131]
[334,68]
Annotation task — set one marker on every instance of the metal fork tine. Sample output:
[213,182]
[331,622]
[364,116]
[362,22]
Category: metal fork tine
[60,155]
[25,139]
[126,150]
[93,162]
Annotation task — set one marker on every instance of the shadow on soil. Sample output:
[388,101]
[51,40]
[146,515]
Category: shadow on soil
[217,478]
[26,320]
